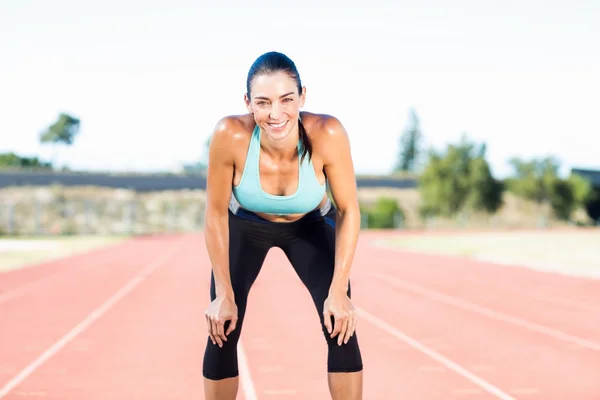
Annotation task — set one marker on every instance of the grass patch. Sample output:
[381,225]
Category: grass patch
[559,249]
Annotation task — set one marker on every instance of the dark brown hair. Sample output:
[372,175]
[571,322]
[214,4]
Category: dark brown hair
[270,63]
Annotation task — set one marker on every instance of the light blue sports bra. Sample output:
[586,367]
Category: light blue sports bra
[250,195]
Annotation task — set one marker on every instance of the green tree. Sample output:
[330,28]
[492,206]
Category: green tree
[12,160]
[534,179]
[562,199]
[570,194]
[63,131]
[538,180]
[583,191]
[410,145]
[485,192]
[459,179]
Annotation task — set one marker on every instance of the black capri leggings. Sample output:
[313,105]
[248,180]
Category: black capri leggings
[309,244]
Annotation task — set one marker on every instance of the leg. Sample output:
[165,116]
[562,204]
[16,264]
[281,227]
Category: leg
[247,251]
[311,251]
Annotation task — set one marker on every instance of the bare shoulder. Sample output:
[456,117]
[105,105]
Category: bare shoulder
[230,134]
[232,129]
[323,126]
[327,134]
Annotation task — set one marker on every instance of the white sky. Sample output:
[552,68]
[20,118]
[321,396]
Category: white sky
[150,79]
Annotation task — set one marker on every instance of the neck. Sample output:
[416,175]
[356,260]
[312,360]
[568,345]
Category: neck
[281,149]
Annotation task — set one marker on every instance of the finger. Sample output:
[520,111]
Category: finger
[221,329]
[343,330]
[209,329]
[337,326]
[215,329]
[232,325]
[350,330]
[327,321]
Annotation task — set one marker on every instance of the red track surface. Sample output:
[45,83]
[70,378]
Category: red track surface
[127,323]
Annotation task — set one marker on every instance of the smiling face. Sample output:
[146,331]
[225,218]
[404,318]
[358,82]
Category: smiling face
[275,102]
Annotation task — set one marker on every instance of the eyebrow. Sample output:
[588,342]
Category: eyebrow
[266,98]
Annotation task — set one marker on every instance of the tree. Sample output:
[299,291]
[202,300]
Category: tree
[459,179]
[485,192]
[583,191]
[63,131]
[570,194]
[538,180]
[410,142]
[533,179]
[12,160]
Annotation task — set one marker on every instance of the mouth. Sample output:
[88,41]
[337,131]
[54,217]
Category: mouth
[278,126]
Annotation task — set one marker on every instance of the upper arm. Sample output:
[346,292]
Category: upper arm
[338,165]
[220,169]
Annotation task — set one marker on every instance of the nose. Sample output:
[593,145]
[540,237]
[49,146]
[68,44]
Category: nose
[275,111]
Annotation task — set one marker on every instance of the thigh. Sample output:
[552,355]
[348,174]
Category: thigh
[248,247]
[311,251]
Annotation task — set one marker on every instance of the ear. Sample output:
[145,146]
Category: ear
[303,96]
[248,104]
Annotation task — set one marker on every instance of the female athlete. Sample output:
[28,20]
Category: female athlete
[266,187]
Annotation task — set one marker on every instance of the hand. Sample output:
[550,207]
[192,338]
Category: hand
[221,309]
[339,306]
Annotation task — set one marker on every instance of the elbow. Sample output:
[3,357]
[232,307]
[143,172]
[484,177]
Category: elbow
[350,213]
[351,208]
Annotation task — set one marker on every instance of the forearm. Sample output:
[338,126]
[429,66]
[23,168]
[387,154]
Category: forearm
[346,237]
[217,244]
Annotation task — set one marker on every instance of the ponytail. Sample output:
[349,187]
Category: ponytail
[306,144]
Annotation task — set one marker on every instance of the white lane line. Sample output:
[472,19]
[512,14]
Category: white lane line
[245,378]
[93,316]
[451,365]
[488,312]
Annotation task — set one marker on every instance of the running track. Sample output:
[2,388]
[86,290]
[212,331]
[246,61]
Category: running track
[126,322]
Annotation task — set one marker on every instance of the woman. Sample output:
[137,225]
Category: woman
[266,187]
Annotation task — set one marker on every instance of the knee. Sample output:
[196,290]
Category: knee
[220,362]
[344,358]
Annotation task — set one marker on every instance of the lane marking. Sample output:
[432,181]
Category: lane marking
[488,312]
[451,365]
[93,316]
[245,378]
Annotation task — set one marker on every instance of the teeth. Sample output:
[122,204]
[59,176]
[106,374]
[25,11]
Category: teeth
[278,125]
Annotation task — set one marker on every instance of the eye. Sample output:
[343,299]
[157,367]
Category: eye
[288,99]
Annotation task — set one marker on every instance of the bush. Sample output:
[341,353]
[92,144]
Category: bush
[383,214]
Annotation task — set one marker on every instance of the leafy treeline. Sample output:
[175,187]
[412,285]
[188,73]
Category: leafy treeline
[12,160]
[63,131]
[459,179]
[538,180]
